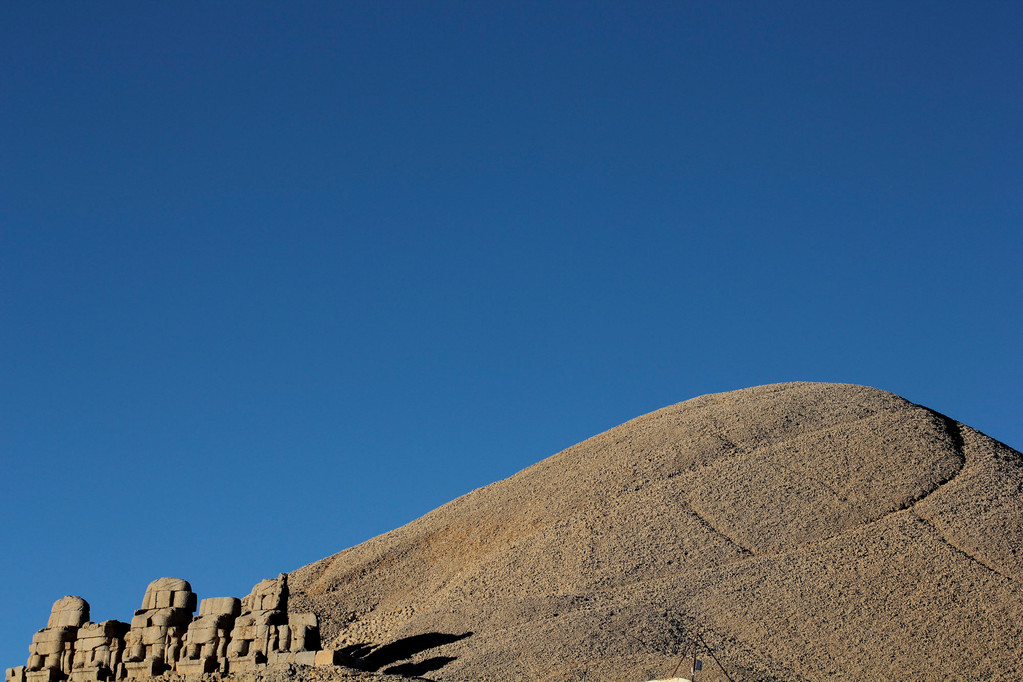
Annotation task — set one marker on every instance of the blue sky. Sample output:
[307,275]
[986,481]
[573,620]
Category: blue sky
[278,277]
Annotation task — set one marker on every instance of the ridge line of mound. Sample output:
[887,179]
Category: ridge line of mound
[960,550]
[954,431]
[745,551]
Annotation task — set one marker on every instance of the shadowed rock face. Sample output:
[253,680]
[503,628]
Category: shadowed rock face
[810,530]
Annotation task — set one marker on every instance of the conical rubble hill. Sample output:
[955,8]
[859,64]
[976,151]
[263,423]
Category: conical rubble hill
[808,530]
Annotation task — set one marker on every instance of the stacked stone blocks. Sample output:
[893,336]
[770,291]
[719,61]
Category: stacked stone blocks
[228,635]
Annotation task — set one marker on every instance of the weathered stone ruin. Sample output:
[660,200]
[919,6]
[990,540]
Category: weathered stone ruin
[228,635]
[153,643]
[98,650]
[51,654]
[205,641]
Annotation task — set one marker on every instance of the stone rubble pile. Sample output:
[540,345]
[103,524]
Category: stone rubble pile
[228,636]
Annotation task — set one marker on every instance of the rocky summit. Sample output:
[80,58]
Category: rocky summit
[803,531]
[796,531]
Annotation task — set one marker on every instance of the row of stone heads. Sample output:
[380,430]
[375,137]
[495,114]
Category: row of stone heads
[228,635]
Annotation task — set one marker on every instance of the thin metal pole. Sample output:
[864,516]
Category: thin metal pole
[636,638]
[696,634]
[680,661]
[711,652]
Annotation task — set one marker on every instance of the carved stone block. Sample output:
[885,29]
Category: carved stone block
[197,667]
[305,657]
[51,641]
[280,657]
[44,675]
[158,628]
[268,595]
[328,657]
[305,632]
[165,593]
[68,612]
[150,667]
[98,648]
[241,665]
[92,673]
[216,606]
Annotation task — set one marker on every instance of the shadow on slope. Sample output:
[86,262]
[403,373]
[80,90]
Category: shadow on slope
[421,668]
[373,658]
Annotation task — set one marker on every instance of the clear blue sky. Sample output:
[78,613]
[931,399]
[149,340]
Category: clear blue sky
[278,277]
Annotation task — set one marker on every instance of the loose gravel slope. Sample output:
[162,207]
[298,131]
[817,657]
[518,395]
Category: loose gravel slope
[809,530]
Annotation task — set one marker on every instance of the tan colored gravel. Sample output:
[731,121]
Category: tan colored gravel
[811,531]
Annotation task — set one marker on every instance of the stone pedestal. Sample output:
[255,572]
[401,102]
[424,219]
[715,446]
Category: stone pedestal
[151,667]
[44,675]
[328,657]
[297,657]
[241,665]
[197,667]
[92,673]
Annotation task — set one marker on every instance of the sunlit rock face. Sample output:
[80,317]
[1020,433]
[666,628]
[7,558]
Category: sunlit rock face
[229,636]
[804,529]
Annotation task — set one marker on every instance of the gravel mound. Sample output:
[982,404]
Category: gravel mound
[805,531]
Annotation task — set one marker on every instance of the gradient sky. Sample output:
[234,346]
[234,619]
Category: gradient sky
[278,277]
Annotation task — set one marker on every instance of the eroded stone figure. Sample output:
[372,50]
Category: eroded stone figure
[67,658]
[68,612]
[266,633]
[97,648]
[51,654]
[116,652]
[253,635]
[206,640]
[135,650]
[228,635]
[154,640]
[267,595]
[273,633]
[175,637]
[305,632]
